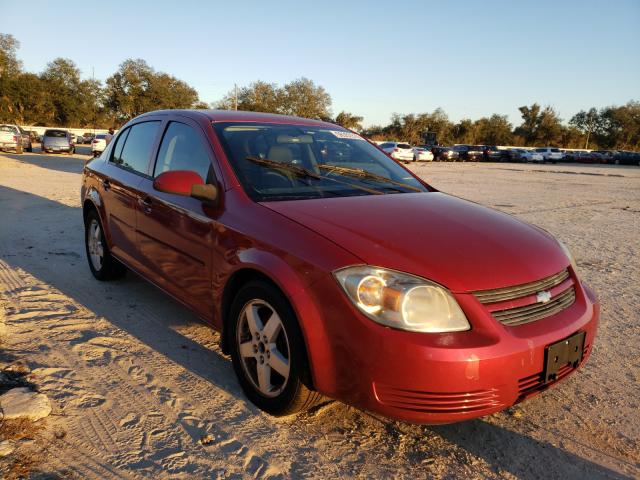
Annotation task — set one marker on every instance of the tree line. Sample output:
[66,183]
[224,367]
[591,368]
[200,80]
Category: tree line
[59,96]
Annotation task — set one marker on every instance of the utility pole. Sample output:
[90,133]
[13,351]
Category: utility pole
[235,97]
[93,80]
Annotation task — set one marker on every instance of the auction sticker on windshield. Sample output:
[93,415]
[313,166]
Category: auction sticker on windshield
[346,135]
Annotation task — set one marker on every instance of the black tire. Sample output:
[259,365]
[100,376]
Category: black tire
[30,148]
[296,393]
[109,268]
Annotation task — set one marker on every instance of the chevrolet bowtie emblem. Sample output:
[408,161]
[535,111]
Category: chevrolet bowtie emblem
[543,297]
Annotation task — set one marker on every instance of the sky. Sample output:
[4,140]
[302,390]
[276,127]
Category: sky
[472,58]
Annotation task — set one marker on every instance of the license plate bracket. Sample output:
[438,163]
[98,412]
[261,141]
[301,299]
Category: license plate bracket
[562,353]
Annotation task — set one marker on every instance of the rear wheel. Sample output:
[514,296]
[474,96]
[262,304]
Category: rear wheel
[102,264]
[268,351]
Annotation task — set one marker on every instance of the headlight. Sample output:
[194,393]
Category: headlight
[569,255]
[402,301]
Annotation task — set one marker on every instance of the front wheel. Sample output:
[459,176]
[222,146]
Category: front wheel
[268,352]
[102,264]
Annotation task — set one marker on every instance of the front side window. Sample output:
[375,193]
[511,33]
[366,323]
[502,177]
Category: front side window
[287,162]
[136,147]
[182,149]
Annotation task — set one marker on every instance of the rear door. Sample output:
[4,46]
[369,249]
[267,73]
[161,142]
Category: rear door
[176,233]
[127,166]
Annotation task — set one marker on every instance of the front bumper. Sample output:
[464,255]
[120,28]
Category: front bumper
[446,378]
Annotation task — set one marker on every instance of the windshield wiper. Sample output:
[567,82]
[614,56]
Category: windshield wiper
[304,173]
[357,172]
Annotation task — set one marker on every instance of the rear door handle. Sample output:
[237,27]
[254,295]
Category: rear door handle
[106,185]
[145,204]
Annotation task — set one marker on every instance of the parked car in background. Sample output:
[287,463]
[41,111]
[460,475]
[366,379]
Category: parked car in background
[358,281]
[98,144]
[527,156]
[469,153]
[57,141]
[495,154]
[444,154]
[14,137]
[87,137]
[550,154]
[606,156]
[422,154]
[74,137]
[398,151]
[624,157]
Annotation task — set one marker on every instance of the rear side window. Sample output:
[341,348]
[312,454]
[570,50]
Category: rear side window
[386,145]
[404,145]
[182,148]
[116,157]
[55,133]
[541,150]
[554,150]
[134,154]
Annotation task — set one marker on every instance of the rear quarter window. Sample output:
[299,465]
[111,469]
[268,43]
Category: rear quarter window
[135,152]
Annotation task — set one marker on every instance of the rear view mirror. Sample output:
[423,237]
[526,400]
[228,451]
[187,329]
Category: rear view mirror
[186,183]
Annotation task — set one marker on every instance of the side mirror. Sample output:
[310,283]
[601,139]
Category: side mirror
[186,183]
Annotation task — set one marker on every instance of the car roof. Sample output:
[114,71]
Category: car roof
[220,116]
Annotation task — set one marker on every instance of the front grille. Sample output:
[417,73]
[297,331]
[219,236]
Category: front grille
[519,291]
[530,313]
[437,402]
[532,310]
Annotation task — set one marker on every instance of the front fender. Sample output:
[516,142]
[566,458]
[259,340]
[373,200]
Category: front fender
[295,284]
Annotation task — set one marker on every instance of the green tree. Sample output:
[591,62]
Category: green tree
[258,97]
[620,127]
[61,80]
[465,131]
[303,98]
[494,130]
[586,122]
[137,88]
[539,126]
[349,120]
[528,129]
[10,68]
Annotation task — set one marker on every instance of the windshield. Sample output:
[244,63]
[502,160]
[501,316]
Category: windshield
[287,162]
[7,128]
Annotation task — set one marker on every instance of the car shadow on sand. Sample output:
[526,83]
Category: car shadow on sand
[60,162]
[56,256]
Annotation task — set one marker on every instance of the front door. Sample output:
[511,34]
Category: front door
[175,233]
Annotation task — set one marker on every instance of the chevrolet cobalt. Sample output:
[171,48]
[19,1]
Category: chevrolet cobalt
[332,271]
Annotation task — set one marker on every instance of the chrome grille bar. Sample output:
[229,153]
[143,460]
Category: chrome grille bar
[519,291]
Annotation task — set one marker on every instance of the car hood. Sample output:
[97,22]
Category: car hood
[459,244]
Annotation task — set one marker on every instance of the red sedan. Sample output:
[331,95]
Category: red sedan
[331,270]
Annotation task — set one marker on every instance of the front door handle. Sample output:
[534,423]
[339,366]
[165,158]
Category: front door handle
[105,184]
[145,204]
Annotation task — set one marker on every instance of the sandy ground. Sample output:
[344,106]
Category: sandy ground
[136,381]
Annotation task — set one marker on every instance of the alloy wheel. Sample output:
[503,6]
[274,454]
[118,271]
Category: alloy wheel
[94,244]
[263,346]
